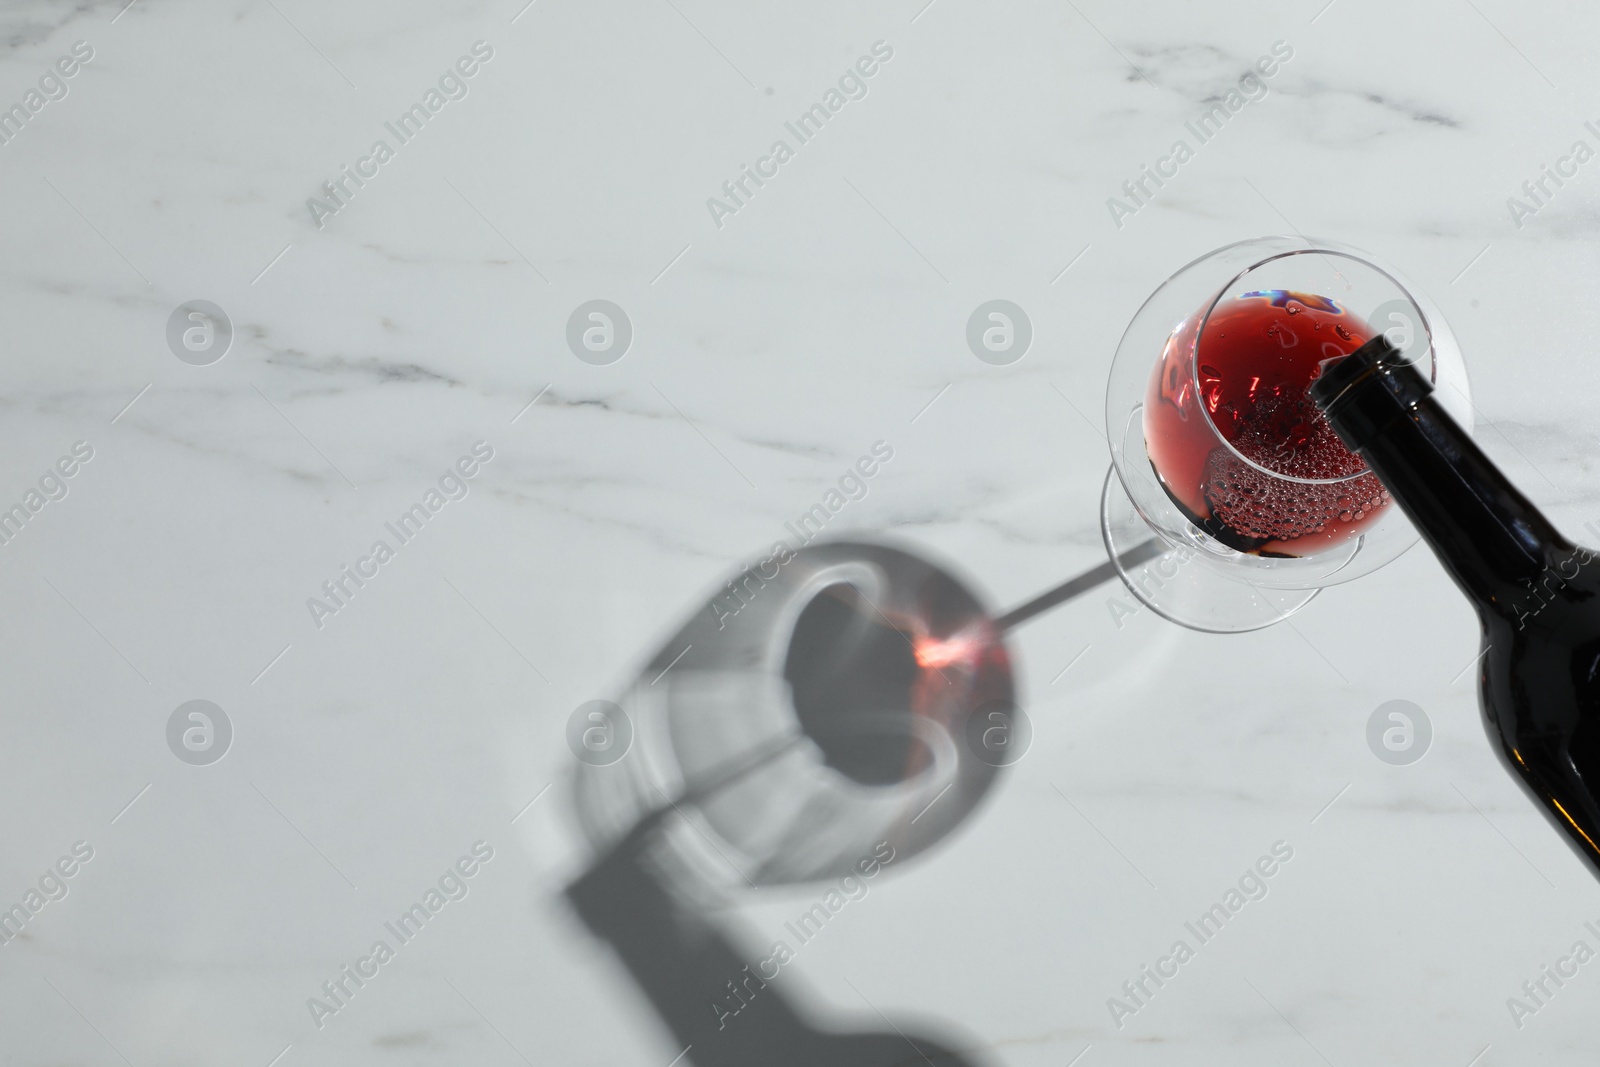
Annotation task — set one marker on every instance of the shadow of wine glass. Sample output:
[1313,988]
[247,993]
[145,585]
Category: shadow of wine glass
[774,749]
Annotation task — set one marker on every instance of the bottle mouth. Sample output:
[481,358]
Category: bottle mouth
[1361,392]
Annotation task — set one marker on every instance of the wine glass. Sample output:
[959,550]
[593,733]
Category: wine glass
[1216,450]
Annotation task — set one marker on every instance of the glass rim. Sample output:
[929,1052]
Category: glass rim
[1194,351]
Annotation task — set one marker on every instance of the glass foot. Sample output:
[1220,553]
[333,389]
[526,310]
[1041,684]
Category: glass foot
[1179,586]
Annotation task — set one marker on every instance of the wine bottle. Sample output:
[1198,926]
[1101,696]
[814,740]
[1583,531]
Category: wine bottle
[1536,596]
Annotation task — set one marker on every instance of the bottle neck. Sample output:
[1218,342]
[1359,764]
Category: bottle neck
[1494,542]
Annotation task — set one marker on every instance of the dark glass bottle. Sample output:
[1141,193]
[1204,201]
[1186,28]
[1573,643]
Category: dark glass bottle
[1536,595]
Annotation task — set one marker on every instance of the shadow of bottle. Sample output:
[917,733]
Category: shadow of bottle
[684,964]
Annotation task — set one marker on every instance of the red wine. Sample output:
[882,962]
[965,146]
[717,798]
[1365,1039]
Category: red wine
[1224,416]
[1537,594]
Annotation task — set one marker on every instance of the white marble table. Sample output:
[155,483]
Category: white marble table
[375,344]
